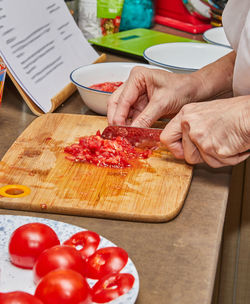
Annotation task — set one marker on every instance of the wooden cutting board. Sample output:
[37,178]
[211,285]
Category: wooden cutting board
[154,191]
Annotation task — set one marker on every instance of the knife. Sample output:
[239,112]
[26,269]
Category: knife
[140,137]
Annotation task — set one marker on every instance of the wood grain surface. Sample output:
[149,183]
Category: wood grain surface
[153,191]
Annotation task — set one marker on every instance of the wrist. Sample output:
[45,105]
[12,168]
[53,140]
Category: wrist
[245,121]
[196,88]
[215,79]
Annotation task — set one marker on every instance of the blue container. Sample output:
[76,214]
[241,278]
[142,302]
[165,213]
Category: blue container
[137,14]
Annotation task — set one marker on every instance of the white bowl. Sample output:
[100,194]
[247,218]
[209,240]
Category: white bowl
[85,76]
[184,57]
[216,36]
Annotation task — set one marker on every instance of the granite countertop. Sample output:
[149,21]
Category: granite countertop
[177,260]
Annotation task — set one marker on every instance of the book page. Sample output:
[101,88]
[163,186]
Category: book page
[41,45]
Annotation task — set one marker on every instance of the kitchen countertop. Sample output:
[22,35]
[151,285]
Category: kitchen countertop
[177,260]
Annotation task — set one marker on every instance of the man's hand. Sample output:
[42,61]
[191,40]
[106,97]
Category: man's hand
[215,132]
[149,94]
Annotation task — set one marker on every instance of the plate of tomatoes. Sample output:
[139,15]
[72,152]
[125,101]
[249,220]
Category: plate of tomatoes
[49,261]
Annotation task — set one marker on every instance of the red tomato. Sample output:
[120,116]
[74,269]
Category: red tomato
[111,287]
[63,286]
[113,153]
[28,241]
[106,261]
[18,297]
[107,86]
[58,257]
[86,242]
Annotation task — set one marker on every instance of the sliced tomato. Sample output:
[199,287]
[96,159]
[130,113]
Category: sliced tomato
[86,242]
[111,287]
[60,256]
[107,86]
[18,297]
[28,241]
[106,261]
[63,286]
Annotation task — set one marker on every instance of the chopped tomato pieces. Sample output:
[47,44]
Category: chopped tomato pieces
[107,86]
[114,153]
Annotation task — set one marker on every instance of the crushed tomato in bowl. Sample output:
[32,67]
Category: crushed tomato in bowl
[107,86]
[113,153]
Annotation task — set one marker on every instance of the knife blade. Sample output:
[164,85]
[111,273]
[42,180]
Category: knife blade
[140,137]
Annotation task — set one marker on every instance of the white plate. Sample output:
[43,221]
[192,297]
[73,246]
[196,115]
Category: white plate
[14,278]
[184,57]
[216,36]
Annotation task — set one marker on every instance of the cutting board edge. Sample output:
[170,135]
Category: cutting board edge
[34,121]
[94,213]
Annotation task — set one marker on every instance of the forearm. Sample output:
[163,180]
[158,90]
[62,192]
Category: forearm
[215,79]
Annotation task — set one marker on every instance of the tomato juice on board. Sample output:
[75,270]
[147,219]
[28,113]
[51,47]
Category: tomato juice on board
[107,86]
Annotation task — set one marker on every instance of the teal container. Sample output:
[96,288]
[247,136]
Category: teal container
[137,14]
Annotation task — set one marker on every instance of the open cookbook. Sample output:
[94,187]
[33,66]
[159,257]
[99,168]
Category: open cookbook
[41,44]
